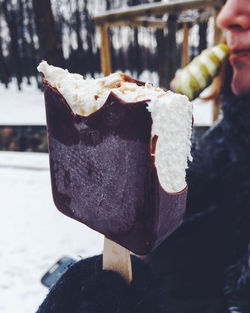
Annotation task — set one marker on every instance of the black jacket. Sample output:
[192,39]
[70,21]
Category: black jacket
[86,288]
[205,263]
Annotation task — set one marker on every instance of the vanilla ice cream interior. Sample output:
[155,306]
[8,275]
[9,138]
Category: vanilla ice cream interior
[171,115]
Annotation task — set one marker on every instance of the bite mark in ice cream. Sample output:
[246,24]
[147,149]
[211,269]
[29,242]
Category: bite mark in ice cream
[171,115]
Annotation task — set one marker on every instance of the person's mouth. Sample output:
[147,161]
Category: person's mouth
[239,54]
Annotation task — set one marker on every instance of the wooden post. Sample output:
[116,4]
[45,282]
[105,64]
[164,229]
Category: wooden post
[216,109]
[105,50]
[116,258]
[218,33]
[185,47]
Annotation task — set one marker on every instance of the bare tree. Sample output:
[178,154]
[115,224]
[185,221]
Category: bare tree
[4,71]
[202,36]
[167,51]
[22,35]
[90,33]
[10,14]
[78,26]
[33,53]
[50,48]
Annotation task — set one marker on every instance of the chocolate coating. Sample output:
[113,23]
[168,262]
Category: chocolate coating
[103,173]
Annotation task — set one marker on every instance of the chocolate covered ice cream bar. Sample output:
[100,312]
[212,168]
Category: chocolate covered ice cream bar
[118,153]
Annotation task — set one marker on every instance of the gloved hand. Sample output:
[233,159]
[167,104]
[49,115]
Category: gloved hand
[86,288]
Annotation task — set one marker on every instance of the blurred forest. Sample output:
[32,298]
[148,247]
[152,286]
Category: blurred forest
[63,33]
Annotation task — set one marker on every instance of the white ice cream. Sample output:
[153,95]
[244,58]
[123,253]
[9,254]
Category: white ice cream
[171,114]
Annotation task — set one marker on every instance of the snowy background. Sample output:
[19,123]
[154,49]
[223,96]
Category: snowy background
[33,234]
[26,107]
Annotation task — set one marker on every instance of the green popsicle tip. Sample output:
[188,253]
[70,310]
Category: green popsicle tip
[208,63]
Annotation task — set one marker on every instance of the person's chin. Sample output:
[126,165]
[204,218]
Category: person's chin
[241,80]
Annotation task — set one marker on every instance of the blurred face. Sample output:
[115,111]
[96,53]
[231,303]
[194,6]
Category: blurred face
[235,19]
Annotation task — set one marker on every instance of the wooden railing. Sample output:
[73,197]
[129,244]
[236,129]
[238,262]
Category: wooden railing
[150,15]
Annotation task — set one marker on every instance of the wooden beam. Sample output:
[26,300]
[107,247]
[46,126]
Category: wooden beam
[154,9]
[159,23]
[185,46]
[142,22]
[105,50]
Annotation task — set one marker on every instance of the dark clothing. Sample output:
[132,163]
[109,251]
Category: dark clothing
[85,288]
[211,246]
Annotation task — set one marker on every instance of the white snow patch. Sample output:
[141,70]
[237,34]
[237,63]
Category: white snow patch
[25,107]
[34,234]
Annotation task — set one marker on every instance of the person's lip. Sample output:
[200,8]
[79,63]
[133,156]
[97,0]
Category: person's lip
[239,53]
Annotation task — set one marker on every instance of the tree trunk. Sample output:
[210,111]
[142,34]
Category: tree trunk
[4,72]
[11,20]
[202,36]
[78,26]
[33,57]
[90,27]
[167,52]
[50,48]
[24,44]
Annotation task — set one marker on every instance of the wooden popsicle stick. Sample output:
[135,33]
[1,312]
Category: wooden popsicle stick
[116,258]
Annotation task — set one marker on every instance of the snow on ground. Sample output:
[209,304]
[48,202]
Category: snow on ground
[33,233]
[26,107]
